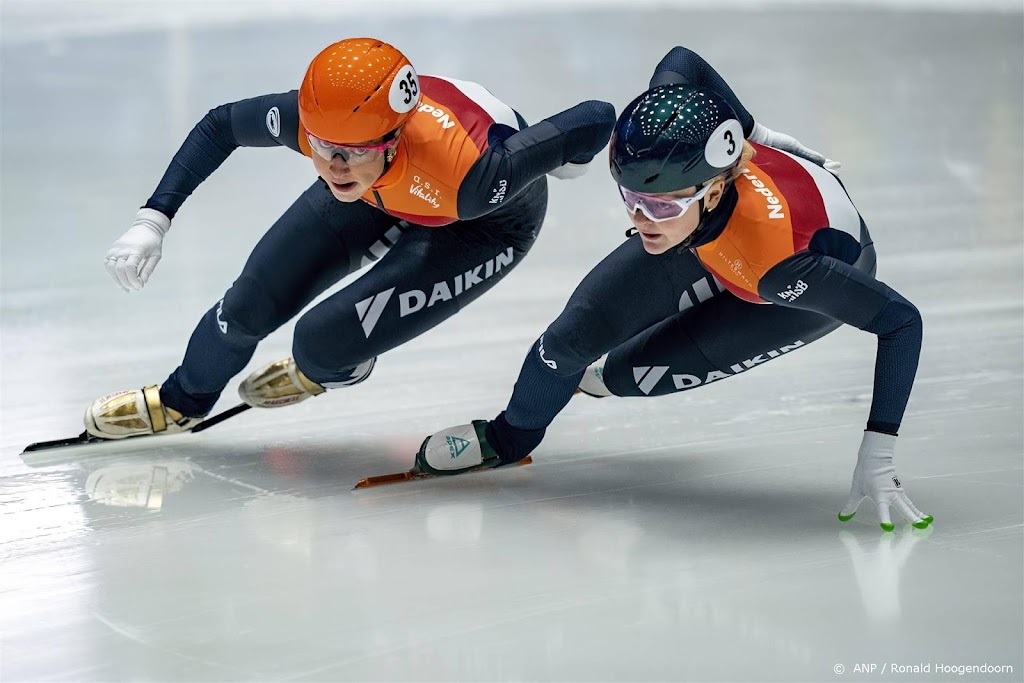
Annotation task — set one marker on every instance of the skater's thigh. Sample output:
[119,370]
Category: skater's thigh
[426,277]
[314,244]
[715,339]
[627,292]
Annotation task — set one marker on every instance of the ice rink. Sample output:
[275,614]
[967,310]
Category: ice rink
[691,537]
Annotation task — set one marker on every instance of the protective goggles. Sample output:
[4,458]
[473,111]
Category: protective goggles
[353,155]
[660,209]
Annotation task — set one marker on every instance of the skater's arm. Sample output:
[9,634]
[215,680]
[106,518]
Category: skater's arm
[686,66]
[814,281]
[267,121]
[514,159]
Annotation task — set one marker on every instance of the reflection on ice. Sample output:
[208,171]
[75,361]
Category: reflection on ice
[879,568]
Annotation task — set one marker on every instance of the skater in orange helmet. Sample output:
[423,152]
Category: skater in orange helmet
[436,179]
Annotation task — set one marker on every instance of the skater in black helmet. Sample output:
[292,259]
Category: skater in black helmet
[745,247]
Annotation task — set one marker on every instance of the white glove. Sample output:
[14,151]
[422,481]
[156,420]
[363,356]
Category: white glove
[569,171]
[875,478]
[787,143]
[132,258]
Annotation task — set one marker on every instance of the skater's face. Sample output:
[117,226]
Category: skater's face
[349,182]
[659,237]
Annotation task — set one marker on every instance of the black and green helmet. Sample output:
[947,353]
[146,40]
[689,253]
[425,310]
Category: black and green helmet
[673,137]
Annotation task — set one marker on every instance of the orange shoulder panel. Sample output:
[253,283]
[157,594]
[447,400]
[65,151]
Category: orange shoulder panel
[758,236]
[434,155]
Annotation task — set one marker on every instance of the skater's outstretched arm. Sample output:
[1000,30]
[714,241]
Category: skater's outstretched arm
[266,121]
[562,145]
[682,65]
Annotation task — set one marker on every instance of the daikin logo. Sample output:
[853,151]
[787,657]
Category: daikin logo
[690,381]
[456,446]
[371,309]
[647,377]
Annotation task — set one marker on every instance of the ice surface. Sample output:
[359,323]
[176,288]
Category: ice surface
[690,537]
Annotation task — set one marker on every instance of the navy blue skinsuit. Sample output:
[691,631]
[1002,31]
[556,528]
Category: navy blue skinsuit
[501,203]
[667,325]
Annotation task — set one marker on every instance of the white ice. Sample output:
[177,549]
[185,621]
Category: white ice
[688,537]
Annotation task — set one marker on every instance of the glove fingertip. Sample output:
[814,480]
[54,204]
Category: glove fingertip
[887,526]
[846,518]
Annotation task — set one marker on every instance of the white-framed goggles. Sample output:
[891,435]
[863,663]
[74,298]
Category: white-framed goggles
[657,207]
[353,155]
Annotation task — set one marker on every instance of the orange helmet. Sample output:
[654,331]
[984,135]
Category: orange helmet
[357,90]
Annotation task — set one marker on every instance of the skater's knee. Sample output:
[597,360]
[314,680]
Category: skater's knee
[564,352]
[248,312]
[573,341]
[327,351]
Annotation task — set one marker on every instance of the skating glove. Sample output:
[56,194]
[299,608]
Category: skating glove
[132,258]
[787,143]
[875,478]
[456,450]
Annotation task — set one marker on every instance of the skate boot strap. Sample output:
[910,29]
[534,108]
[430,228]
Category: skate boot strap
[155,408]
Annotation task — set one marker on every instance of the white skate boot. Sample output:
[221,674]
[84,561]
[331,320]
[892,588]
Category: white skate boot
[592,382]
[278,384]
[134,412]
[281,383]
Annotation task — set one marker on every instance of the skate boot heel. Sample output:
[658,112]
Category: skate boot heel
[276,385]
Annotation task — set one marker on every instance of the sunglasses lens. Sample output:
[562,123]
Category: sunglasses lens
[654,208]
[353,156]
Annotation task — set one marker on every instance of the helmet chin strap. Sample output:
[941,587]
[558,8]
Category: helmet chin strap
[705,213]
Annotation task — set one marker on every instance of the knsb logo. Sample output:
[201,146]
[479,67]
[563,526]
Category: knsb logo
[499,194]
[456,446]
[793,292]
[774,205]
[220,322]
[690,381]
[439,114]
[370,310]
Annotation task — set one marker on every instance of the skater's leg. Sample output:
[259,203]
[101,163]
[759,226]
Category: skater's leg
[427,277]
[716,339]
[317,241]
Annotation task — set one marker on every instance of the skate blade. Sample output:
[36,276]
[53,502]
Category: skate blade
[399,477]
[81,440]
